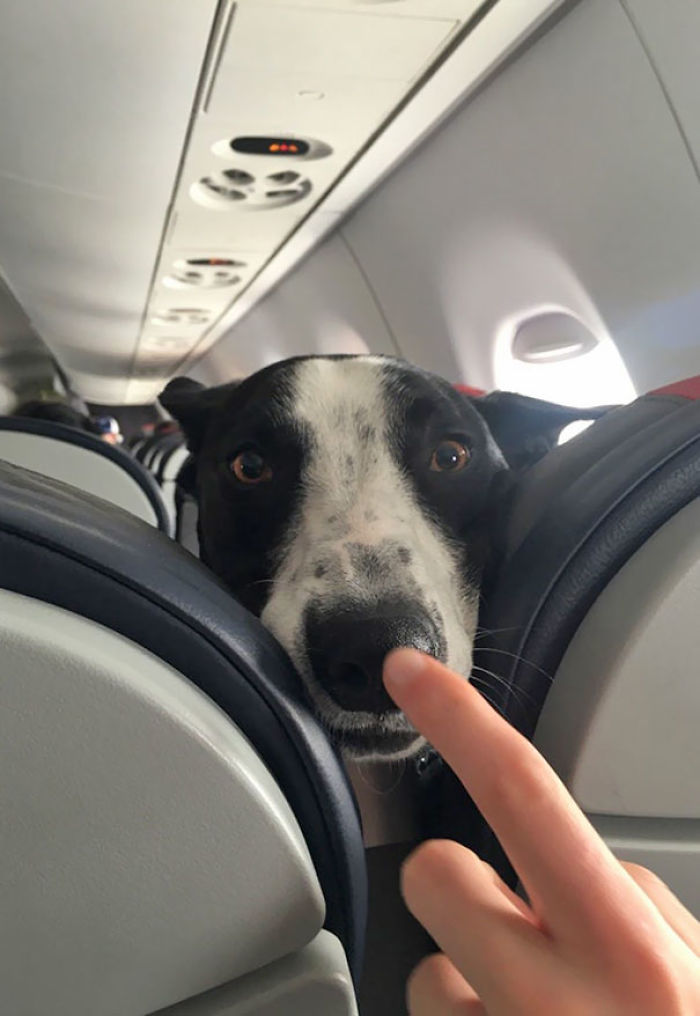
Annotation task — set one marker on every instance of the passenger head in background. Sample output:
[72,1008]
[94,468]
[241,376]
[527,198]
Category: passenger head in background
[105,427]
[56,412]
[108,429]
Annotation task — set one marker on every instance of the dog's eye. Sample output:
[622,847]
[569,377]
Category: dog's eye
[449,457]
[250,467]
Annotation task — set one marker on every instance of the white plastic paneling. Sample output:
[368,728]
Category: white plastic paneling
[670,849]
[397,8]
[330,75]
[565,182]
[147,853]
[671,33]
[317,41]
[319,104]
[620,722]
[96,102]
[324,307]
[313,982]
[80,467]
[468,64]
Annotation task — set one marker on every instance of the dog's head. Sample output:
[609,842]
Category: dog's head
[348,501]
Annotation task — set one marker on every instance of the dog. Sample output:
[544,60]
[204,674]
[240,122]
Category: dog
[350,502]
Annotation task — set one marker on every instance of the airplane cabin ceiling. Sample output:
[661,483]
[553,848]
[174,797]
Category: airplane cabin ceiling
[128,224]
[568,184]
[472,162]
[96,101]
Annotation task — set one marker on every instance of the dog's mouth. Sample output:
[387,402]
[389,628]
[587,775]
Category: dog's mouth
[362,735]
[370,743]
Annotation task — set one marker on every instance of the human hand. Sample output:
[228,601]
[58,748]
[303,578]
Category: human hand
[598,937]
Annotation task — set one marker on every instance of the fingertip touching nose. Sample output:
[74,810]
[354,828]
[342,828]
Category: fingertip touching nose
[347,647]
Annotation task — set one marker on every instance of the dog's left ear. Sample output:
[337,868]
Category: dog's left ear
[191,404]
[526,429]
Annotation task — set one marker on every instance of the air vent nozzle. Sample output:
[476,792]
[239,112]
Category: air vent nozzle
[185,316]
[205,273]
[238,188]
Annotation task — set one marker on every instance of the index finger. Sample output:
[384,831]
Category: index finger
[565,867]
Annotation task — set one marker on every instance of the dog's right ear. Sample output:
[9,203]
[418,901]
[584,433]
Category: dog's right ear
[526,429]
[192,404]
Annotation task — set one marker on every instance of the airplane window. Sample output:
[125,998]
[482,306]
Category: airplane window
[553,354]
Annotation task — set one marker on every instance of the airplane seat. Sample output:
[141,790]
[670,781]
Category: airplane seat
[160,451]
[589,637]
[153,451]
[84,461]
[186,507]
[134,441]
[185,527]
[178,833]
[145,450]
[173,454]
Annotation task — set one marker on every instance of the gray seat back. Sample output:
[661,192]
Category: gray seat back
[84,461]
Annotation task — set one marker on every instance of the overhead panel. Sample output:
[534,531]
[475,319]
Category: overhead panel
[294,93]
[134,225]
[321,41]
[96,100]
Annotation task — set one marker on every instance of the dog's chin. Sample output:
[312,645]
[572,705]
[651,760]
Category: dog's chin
[377,745]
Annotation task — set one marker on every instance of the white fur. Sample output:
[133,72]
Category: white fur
[370,502]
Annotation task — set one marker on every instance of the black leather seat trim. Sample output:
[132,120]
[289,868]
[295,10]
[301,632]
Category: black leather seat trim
[586,529]
[66,548]
[83,439]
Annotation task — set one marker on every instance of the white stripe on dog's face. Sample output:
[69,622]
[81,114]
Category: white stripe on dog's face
[359,534]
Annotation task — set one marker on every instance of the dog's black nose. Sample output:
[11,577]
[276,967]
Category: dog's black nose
[347,647]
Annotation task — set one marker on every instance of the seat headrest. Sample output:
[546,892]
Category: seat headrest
[71,436]
[574,519]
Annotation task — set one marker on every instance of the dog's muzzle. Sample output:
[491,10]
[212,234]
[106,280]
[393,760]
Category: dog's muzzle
[347,648]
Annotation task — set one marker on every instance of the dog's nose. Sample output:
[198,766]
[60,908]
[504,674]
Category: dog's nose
[347,648]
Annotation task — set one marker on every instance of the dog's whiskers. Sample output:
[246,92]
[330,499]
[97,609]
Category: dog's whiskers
[520,659]
[481,632]
[519,694]
[483,689]
[516,692]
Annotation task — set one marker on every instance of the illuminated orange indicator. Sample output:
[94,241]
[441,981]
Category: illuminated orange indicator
[268,145]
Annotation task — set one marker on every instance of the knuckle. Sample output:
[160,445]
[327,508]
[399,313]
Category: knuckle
[420,984]
[434,865]
[424,973]
[643,876]
[435,858]
[657,979]
[522,775]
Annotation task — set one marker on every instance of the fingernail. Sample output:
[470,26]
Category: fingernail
[402,666]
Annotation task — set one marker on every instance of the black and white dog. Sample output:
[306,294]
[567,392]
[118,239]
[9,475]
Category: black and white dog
[350,503]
